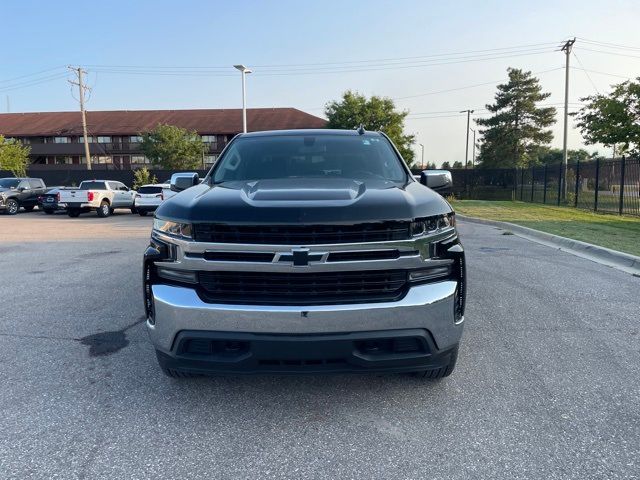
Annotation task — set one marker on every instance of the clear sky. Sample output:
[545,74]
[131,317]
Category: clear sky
[390,48]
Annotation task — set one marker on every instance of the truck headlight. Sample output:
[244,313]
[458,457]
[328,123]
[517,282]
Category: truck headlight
[176,229]
[430,225]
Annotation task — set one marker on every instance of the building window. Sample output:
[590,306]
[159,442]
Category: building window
[63,160]
[61,140]
[210,159]
[102,159]
[135,139]
[90,139]
[210,139]
[103,139]
[139,159]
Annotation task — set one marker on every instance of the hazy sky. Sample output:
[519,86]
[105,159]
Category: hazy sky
[395,49]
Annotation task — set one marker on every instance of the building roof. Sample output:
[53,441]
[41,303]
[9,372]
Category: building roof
[132,122]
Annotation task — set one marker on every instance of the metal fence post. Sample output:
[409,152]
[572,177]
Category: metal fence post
[522,184]
[559,184]
[622,168]
[544,191]
[533,174]
[575,200]
[595,203]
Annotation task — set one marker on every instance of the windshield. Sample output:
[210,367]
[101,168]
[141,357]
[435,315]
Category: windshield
[9,182]
[92,186]
[359,157]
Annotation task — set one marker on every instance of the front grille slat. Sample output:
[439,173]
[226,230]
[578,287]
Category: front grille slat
[301,288]
[302,234]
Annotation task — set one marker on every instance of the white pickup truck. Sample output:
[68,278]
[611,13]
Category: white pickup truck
[101,196]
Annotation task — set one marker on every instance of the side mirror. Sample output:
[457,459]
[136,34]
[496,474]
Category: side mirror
[21,189]
[182,181]
[438,180]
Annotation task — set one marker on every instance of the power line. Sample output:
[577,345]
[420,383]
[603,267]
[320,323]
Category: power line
[33,82]
[31,74]
[586,72]
[610,53]
[602,73]
[180,71]
[605,44]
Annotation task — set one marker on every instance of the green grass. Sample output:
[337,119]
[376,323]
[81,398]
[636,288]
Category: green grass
[611,231]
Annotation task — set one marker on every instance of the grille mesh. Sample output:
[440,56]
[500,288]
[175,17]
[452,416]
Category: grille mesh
[302,288]
[302,234]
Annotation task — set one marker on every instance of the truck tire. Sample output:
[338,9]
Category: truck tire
[134,210]
[104,210]
[12,206]
[73,212]
[142,213]
[444,371]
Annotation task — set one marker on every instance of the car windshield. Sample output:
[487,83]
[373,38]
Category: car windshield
[9,182]
[358,157]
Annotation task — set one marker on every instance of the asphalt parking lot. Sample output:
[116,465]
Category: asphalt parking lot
[547,383]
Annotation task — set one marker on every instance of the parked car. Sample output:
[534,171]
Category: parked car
[49,202]
[305,251]
[149,197]
[101,196]
[20,192]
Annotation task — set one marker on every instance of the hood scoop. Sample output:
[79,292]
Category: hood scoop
[304,190]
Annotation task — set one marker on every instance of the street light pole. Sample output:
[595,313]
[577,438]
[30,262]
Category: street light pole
[466,147]
[422,160]
[244,70]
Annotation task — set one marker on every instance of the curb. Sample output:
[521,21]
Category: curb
[604,256]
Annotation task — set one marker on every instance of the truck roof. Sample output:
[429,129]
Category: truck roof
[315,131]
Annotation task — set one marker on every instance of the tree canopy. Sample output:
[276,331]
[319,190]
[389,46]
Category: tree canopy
[375,113]
[14,156]
[613,119]
[173,148]
[517,126]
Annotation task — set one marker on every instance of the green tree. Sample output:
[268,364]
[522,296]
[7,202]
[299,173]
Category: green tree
[550,156]
[446,165]
[613,119]
[14,156]
[173,148]
[517,126]
[143,176]
[375,113]
[457,164]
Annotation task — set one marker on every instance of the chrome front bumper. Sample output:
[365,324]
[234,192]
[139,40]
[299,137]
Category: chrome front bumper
[429,307]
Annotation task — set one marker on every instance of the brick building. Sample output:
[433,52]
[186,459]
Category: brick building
[56,139]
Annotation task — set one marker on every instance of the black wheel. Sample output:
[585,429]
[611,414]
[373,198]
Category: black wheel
[48,211]
[73,212]
[104,210]
[444,371]
[142,213]
[12,206]
[134,210]
[29,208]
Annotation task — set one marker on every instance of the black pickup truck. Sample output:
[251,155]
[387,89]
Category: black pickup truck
[305,251]
[20,192]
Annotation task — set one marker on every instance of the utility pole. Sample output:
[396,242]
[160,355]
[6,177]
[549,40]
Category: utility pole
[78,71]
[422,160]
[466,147]
[566,48]
[473,155]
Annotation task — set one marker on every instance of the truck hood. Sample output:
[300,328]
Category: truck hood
[303,201]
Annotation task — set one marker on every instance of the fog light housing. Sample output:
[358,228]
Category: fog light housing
[431,273]
[186,276]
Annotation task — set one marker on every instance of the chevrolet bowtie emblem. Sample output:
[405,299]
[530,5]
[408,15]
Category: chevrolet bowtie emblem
[300,257]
